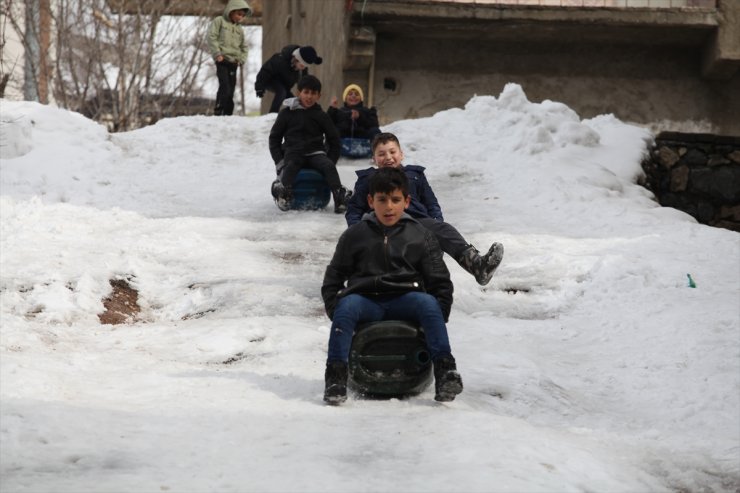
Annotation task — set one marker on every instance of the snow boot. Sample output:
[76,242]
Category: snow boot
[340,196]
[285,198]
[482,266]
[447,381]
[276,189]
[335,383]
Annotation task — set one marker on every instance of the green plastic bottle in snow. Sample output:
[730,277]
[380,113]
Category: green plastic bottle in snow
[692,284]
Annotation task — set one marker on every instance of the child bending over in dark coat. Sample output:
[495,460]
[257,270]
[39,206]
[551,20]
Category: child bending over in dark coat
[282,71]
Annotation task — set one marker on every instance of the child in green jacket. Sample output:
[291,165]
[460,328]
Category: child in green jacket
[229,50]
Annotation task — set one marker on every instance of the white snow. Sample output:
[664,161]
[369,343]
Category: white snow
[588,363]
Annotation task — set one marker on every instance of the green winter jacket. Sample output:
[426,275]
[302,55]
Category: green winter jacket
[226,38]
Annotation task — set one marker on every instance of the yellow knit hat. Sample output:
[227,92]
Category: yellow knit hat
[351,87]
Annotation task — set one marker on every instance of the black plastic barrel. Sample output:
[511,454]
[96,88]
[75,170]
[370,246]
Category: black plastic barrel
[389,358]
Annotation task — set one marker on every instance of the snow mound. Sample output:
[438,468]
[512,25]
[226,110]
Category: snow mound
[25,126]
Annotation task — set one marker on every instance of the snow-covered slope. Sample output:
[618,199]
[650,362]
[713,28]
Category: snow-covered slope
[588,363]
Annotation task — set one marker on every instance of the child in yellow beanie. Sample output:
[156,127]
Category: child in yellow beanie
[354,119]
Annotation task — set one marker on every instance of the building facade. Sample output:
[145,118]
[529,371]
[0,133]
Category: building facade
[663,62]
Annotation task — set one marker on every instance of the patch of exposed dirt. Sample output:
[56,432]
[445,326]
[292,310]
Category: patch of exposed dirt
[122,305]
[292,257]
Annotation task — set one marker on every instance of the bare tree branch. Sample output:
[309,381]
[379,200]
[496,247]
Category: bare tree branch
[124,69]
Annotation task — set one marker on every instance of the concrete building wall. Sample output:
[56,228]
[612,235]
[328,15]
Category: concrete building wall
[413,58]
[636,83]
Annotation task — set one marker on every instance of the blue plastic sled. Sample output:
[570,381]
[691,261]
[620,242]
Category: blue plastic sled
[356,148]
[389,358]
[310,191]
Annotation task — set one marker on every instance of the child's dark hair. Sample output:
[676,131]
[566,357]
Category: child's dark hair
[384,138]
[310,82]
[386,180]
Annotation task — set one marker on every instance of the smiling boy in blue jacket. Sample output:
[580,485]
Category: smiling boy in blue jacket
[424,207]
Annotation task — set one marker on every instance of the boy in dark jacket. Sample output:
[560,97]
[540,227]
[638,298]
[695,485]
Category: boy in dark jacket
[283,70]
[297,141]
[425,208]
[353,119]
[393,269]
[229,51]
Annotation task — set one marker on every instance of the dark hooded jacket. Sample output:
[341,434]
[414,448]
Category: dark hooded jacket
[423,201]
[342,118]
[374,260]
[299,131]
[279,70]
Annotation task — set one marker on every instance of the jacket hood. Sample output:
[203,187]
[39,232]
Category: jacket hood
[236,5]
[372,218]
[295,104]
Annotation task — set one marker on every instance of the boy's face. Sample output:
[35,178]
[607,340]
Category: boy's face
[388,155]
[237,16]
[353,98]
[308,97]
[389,207]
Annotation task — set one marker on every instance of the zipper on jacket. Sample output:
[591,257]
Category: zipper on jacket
[385,254]
[385,251]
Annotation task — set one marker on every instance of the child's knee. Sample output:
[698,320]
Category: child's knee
[349,304]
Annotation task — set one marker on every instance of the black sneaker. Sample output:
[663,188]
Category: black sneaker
[341,197]
[285,198]
[276,189]
[447,381]
[335,383]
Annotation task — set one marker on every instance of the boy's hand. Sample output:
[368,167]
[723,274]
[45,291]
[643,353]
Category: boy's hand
[334,101]
[355,114]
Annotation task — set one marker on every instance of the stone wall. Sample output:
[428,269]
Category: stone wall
[698,174]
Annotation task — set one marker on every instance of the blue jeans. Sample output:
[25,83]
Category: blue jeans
[355,309]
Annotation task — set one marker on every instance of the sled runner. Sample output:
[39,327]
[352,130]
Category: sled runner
[355,147]
[389,358]
[310,191]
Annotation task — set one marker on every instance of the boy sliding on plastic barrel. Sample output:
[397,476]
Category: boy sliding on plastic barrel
[388,266]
